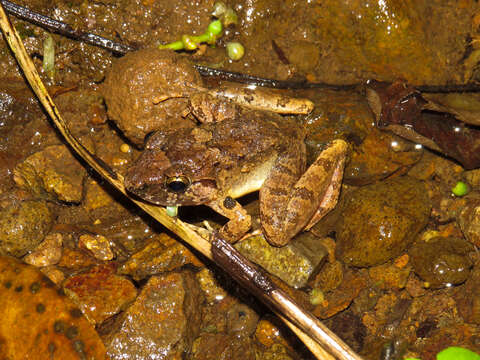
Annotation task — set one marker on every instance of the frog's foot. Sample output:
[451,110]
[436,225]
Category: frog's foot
[239,221]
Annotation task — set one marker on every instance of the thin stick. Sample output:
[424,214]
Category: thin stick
[278,299]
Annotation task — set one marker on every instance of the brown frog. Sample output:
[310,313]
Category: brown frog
[214,163]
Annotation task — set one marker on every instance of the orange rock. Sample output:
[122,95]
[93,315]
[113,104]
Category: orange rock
[38,321]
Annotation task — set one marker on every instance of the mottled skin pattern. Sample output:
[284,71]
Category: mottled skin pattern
[214,163]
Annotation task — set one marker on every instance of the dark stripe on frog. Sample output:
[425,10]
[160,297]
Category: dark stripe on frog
[304,193]
[284,170]
[276,192]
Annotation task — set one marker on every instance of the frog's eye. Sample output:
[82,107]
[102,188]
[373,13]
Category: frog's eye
[177,184]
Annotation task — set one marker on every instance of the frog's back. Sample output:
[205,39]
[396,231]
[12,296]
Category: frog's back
[256,132]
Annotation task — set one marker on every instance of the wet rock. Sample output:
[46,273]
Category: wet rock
[145,91]
[82,109]
[23,226]
[294,263]
[415,287]
[340,298]
[329,277]
[467,298]
[49,252]
[388,276]
[130,233]
[162,254]
[468,218]
[276,352]
[473,177]
[54,274]
[52,173]
[349,328]
[38,321]
[270,331]
[442,261]
[396,210]
[75,259]
[161,323]
[375,158]
[100,293]
[98,245]
[223,347]
[241,320]
[212,290]
[109,148]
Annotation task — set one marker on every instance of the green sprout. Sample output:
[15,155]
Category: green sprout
[191,42]
[455,353]
[49,56]
[172,211]
[460,189]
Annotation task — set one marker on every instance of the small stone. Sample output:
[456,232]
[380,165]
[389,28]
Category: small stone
[222,346]
[52,173]
[162,254]
[241,320]
[468,218]
[75,259]
[329,277]
[340,298]
[442,261]
[415,286]
[162,322]
[125,148]
[98,245]
[396,209]
[99,293]
[23,226]
[388,276]
[54,274]
[49,252]
[294,263]
[473,177]
[271,331]
[211,289]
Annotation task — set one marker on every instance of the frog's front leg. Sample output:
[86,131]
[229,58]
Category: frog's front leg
[289,204]
[239,221]
[207,108]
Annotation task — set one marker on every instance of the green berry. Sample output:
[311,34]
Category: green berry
[230,17]
[235,50]
[219,9]
[460,189]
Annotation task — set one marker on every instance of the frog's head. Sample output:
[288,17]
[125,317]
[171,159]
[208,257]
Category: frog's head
[171,173]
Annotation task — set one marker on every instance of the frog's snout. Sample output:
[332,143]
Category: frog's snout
[177,184]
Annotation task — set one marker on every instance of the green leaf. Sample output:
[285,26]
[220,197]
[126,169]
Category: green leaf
[457,353]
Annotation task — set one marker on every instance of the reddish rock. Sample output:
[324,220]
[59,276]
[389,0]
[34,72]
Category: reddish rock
[100,293]
[161,323]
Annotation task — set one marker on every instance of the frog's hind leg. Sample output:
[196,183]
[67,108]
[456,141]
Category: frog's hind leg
[290,201]
[330,198]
